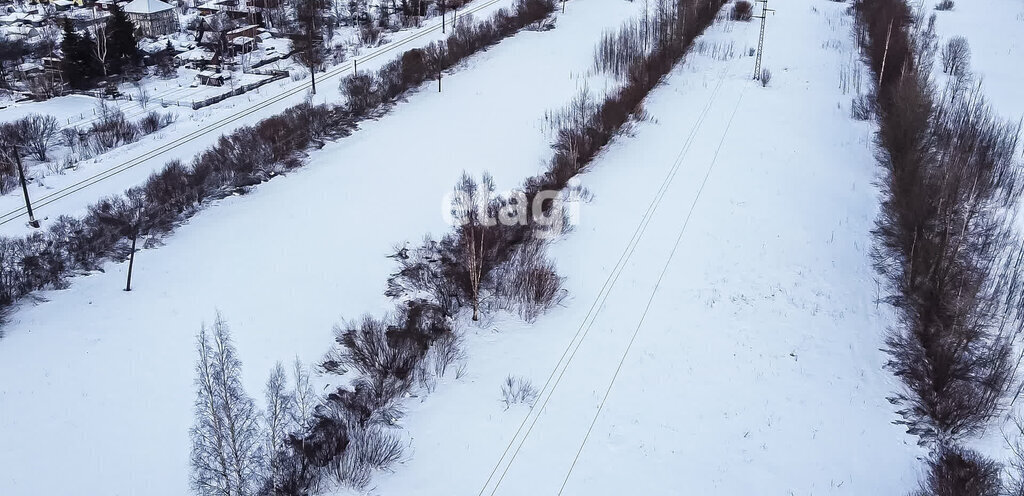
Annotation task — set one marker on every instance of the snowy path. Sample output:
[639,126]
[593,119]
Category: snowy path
[756,369]
[97,383]
[111,173]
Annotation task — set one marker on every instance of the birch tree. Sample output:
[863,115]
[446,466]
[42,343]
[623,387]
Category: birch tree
[473,208]
[210,467]
[278,417]
[227,453]
[305,400]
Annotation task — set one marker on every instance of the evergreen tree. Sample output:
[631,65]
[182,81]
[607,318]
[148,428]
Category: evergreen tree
[124,48]
[80,65]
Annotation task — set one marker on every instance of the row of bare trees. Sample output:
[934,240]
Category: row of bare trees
[946,245]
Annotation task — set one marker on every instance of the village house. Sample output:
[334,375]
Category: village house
[152,17]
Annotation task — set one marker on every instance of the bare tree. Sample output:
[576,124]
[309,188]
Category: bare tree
[141,95]
[38,132]
[210,468]
[473,208]
[956,56]
[227,453]
[305,399]
[100,47]
[277,417]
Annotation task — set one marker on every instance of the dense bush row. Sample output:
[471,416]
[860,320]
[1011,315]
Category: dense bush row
[945,246]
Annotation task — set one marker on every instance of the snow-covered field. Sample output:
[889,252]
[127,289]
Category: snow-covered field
[995,31]
[724,343]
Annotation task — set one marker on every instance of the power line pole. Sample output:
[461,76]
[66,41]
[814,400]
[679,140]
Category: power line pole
[24,188]
[760,40]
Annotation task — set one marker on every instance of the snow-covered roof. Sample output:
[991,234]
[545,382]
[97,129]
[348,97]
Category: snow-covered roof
[28,67]
[242,40]
[196,54]
[242,29]
[26,31]
[146,7]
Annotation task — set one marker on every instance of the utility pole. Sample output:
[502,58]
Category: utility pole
[131,256]
[312,53]
[760,40]
[24,188]
[444,4]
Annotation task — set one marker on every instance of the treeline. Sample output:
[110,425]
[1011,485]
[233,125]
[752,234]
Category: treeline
[946,247]
[494,259]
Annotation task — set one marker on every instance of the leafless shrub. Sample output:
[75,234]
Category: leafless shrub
[961,472]
[155,121]
[516,390]
[142,95]
[446,351]
[944,5]
[38,133]
[376,447]
[742,10]
[527,283]
[861,107]
[956,56]
[766,77]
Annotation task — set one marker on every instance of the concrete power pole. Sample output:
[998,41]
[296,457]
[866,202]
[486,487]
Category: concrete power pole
[760,40]
[24,188]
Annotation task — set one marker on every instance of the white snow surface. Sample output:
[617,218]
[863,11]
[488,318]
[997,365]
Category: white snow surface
[755,367]
[995,31]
